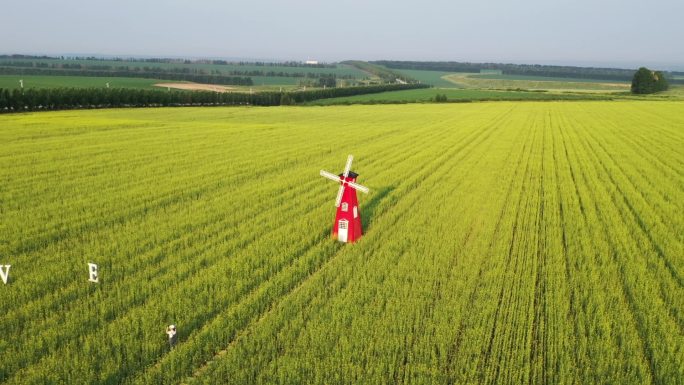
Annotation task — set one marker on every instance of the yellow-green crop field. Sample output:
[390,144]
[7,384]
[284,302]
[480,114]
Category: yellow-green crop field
[505,243]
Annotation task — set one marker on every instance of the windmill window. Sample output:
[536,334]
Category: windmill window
[356,212]
[343,225]
[345,207]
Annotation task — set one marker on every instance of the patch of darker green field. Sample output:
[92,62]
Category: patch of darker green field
[433,78]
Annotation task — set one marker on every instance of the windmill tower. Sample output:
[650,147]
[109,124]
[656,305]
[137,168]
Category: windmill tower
[347,226]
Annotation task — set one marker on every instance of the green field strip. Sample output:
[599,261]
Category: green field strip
[553,357]
[473,328]
[567,201]
[457,338]
[456,334]
[11,82]
[497,342]
[543,78]
[574,125]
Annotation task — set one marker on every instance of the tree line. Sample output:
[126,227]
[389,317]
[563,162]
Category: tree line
[157,69]
[197,78]
[15,100]
[616,74]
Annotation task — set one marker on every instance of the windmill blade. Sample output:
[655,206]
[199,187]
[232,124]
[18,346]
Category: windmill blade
[331,176]
[348,166]
[338,200]
[357,186]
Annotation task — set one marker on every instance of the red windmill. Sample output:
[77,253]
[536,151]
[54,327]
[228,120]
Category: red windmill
[347,226]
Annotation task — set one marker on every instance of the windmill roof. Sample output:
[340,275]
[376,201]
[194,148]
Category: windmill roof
[352,174]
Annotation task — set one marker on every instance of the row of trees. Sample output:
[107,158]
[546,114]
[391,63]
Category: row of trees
[197,78]
[69,98]
[98,68]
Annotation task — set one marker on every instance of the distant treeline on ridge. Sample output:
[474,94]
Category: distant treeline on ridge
[98,67]
[55,69]
[164,75]
[616,74]
[175,61]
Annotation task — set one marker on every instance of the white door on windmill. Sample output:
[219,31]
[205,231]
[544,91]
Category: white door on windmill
[342,227]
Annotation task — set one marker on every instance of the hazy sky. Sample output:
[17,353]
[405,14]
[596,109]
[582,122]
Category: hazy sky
[563,31]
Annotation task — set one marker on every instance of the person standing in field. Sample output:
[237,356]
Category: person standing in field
[171,332]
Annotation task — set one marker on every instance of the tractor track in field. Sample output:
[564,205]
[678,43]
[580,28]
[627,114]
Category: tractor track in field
[486,362]
[539,289]
[466,239]
[455,347]
[566,261]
